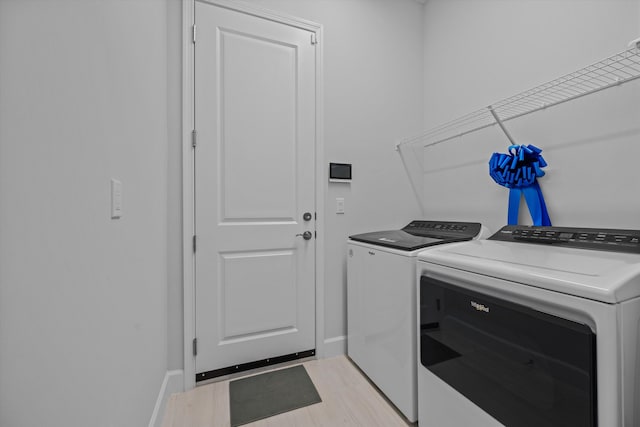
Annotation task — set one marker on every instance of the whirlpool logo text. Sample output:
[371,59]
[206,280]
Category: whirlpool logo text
[479,307]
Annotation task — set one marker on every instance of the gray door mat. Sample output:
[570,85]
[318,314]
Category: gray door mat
[271,393]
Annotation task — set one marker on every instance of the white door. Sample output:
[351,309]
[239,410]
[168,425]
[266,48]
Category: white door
[255,180]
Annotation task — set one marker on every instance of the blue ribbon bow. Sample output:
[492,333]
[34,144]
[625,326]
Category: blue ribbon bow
[518,171]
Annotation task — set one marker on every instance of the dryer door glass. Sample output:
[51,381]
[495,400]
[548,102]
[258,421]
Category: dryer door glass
[521,366]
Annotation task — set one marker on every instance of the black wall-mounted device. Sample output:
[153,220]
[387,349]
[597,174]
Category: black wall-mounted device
[340,172]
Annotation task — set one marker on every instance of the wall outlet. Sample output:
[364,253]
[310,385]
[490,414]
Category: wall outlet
[116,199]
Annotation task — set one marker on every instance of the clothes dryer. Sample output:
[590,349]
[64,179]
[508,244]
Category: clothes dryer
[535,326]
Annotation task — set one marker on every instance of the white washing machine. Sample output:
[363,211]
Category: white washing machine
[381,303]
[535,326]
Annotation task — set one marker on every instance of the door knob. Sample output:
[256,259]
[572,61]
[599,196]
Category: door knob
[306,235]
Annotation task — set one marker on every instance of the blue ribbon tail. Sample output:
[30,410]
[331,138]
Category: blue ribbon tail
[514,206]
[543,206]
[537,206]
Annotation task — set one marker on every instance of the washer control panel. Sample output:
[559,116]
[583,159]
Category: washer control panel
[443,229]
[602,239]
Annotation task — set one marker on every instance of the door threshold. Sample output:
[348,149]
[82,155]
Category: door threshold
[256,366]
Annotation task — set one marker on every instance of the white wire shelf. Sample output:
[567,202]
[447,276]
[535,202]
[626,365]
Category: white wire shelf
[613,71]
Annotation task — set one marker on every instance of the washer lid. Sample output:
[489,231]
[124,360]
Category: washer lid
[602,276]
[397,239]
[421,234]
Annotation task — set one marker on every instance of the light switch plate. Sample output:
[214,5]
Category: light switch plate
[339,205]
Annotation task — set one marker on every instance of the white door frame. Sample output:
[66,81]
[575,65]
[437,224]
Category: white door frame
[188,183]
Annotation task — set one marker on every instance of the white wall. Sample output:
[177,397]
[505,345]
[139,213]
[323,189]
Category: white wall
[478,52]
[373,96]
[83,320]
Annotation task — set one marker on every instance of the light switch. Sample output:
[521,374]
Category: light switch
[116,198]
[339,205]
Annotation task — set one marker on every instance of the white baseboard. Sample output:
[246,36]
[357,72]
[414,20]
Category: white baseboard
[173,383]
[335,346]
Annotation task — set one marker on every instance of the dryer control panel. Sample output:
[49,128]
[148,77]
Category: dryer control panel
[601,239]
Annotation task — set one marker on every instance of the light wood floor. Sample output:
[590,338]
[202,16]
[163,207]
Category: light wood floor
[348,399]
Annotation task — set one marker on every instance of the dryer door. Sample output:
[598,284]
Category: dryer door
[521,366]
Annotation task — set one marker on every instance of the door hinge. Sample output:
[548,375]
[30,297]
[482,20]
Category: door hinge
[194,34]
[195,346]
[194,243]
[194,135]
[314,39]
